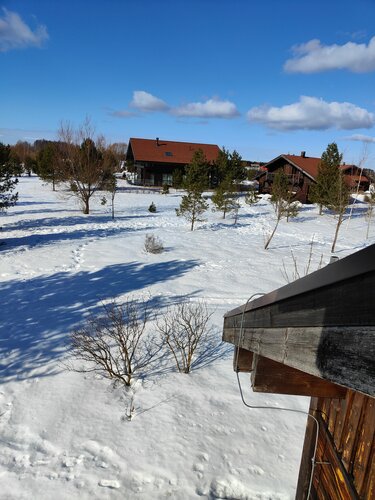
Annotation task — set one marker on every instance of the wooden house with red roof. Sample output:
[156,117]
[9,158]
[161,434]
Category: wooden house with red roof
[302,171]
[156,160]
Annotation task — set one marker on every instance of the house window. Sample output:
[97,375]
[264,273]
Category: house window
[168,153]
[167,179]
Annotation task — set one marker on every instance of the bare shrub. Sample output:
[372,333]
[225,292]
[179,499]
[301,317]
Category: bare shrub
[299,272]
[153,244]
[183,328]
[116,343]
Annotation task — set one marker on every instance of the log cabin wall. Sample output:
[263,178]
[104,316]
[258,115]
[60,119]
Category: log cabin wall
[345,467]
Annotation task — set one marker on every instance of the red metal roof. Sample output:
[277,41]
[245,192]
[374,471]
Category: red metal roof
[305,163]
[153,150]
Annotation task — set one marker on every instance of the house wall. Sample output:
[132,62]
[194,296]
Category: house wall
[345,467]
[156,174]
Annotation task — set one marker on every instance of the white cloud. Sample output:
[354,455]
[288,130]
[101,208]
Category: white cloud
[144,101]
[312,113]
[361,138]
[15,34]
[121,113]
[213,108]
[313,57]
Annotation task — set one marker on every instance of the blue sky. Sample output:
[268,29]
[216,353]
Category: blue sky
[262,77]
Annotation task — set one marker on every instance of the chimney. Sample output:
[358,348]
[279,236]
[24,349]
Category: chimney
[157,141]
[303,154]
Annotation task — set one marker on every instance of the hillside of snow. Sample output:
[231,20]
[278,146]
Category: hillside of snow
[65,435]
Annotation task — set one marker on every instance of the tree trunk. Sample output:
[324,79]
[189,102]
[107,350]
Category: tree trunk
[273,232]
[339,222]
[86,206]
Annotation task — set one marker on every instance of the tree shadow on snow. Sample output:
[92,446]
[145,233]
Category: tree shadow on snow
[52,222]
[39,240]
[212,349]
[38,313]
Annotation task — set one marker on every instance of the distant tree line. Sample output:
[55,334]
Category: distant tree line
[80,161]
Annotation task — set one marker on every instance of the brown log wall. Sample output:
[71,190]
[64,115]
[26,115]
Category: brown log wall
[345,467]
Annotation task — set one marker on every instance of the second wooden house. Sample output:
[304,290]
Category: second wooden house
[302,172]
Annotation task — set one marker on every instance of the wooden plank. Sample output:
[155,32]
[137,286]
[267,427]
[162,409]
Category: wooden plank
[307,454]
[333,477]
[333,410]
[273,377]
[350,432]
[368,490]
[364,443]
[340,420]
[342,355]
[242,360]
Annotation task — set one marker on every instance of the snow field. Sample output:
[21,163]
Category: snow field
[65,435]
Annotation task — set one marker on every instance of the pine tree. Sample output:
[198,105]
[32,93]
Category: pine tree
[7,182]
[47,164]
[282,201]
[192,207]
[197,174]
[331,191]
[224,198]
[327,173]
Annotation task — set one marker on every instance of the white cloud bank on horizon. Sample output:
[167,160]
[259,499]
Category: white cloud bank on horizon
[311,113]
[212,108]
[313,57]
[360,138]
[15,34]
[143,101]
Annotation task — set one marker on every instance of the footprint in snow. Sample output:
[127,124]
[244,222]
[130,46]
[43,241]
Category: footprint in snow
[109,483]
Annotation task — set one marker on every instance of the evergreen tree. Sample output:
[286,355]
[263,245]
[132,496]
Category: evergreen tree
[7,183]
[331,190]
[330,162]
[192,207]
[282,201]
[251,197]
[47,164]
[237,171]
[197,175]
[177,178]
[224,198]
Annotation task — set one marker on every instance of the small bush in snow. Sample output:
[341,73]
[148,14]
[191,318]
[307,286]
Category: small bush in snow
[183,328]
[116,343]
[152,208]
[153,244]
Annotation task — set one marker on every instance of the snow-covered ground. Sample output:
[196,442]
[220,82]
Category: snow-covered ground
[63,434]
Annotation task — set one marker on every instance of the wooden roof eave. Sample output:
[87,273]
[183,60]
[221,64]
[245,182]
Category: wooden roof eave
[323,324]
